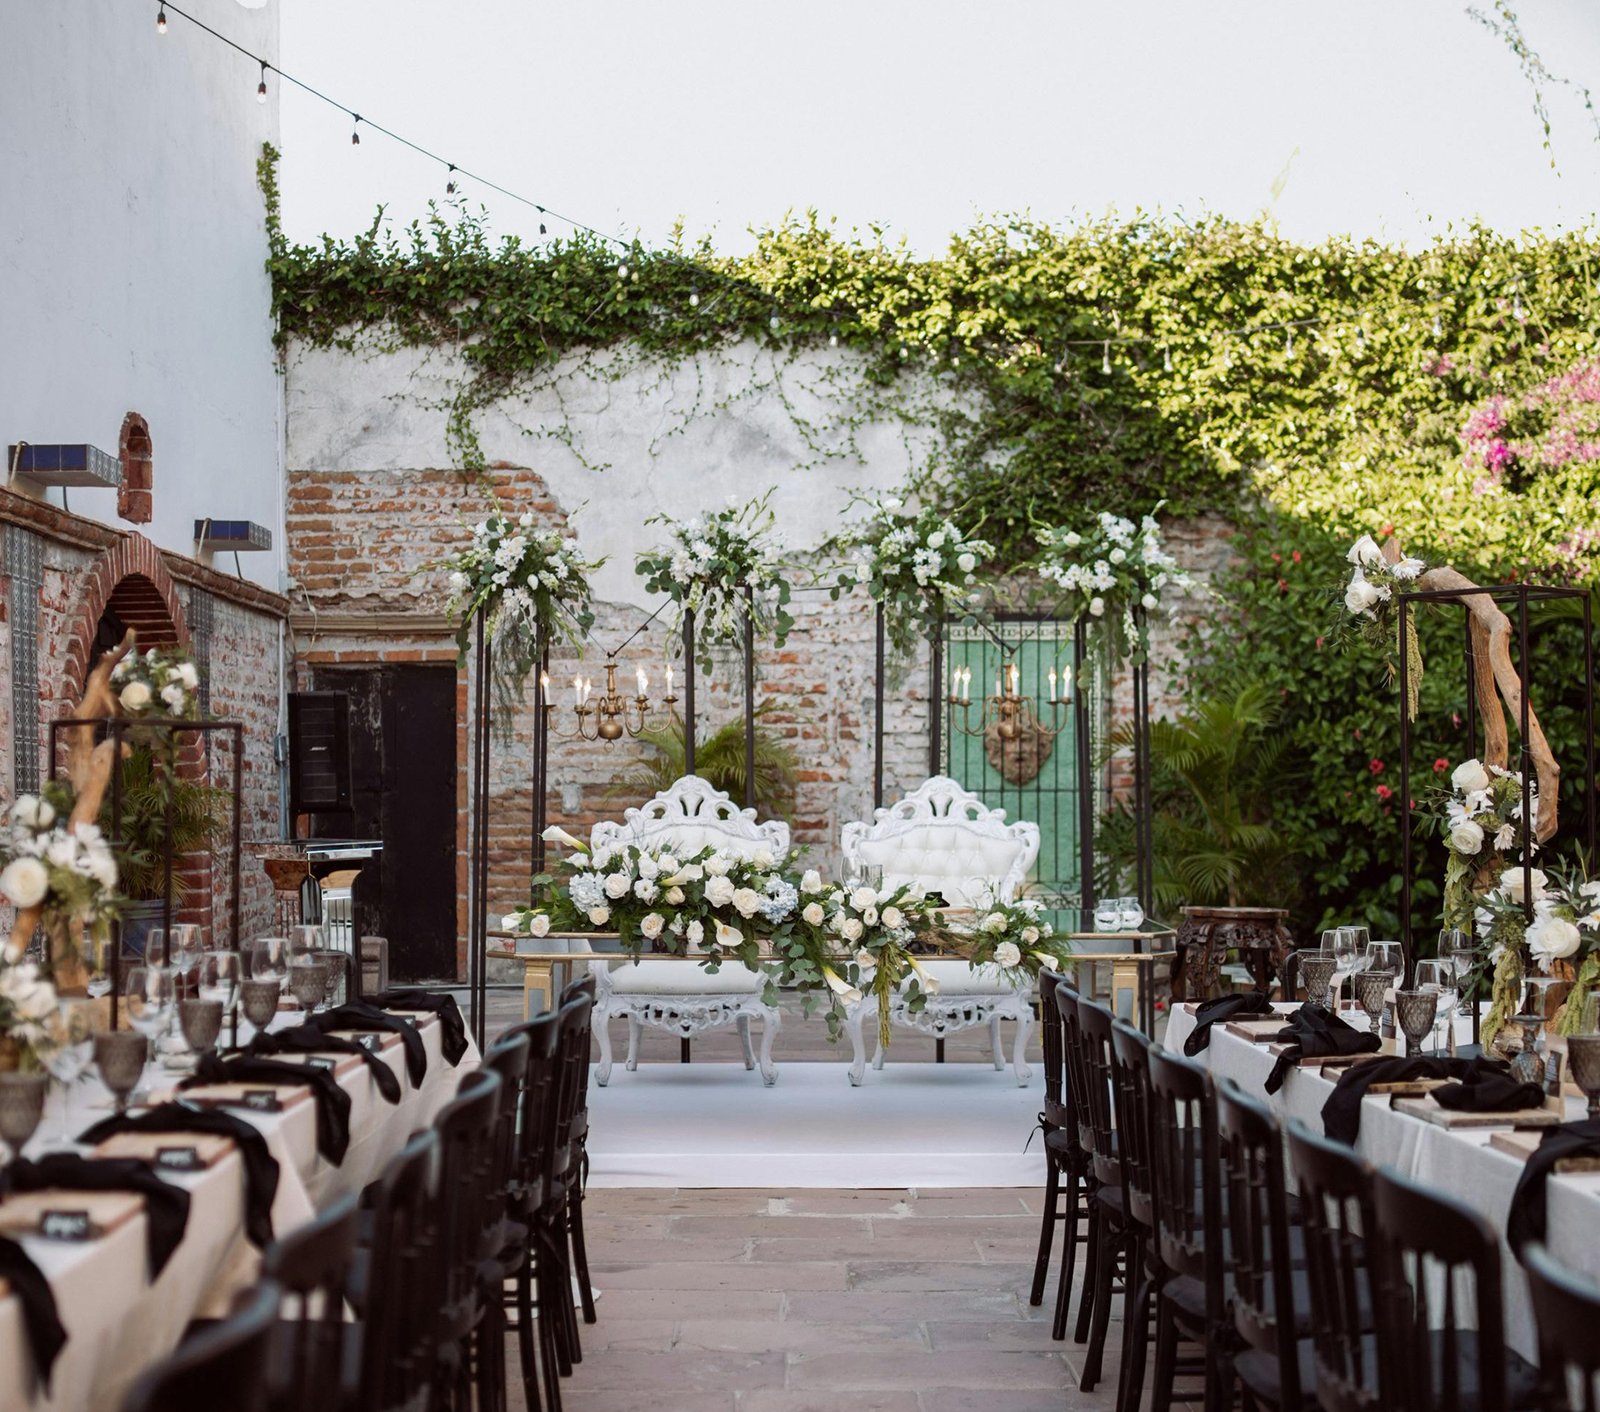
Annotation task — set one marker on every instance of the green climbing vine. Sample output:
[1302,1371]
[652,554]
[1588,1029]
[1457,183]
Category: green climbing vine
[1037,374]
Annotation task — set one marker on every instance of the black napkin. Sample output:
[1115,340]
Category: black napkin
[1341,1114]
[333,1103]
[1529,1213]
[166,1205]
[1484,1092]
[260,1166]
[1314,1032]
[39,1320]
[453,1039]
[306,1039]
[360,1016]
[1224,1007]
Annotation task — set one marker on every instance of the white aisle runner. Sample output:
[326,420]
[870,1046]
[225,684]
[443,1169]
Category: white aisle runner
[912,1125]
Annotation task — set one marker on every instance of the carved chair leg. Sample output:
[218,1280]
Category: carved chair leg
[1019,1050]
[743,1023]
[858,1049]
[878,1052]
[994,1042]
[771,1019]
[602,1027]
[632,1061]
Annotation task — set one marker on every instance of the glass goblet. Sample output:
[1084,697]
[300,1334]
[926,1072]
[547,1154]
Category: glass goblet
[1388,957]
[259,999]
[1440,978]
[22,1099]
[202,1023]
[1583,1065]
[307,982]
[1372,994]
[1416,1011]
[269,958]
[1317,971]
[120,1056]
[149,995]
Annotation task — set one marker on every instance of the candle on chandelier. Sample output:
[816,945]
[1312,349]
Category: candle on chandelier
[1052,685]
[1014,676]
[544,686]
[669,678]
[999,686]
[577,691]
[966,686]
[644,682]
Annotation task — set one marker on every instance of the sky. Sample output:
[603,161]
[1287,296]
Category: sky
[1384,118]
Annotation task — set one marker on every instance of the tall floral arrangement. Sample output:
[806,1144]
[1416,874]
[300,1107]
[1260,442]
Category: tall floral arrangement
[709,564]
[64,873]
[1114,574]
[1480,815]
[157,683]
[1564,932]
[919,564]
[1372,616]
[531,584]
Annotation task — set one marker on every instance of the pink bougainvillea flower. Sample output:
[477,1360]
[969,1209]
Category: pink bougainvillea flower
[1440,765]
[1375,765]
[1384,792]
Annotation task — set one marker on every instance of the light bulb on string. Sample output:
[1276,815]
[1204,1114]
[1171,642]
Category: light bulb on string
[355,131]
[1438,327]
[161,19]
[1105,357]
[261,88]
[1166,359]
[622,272]
[450,186]
[774,323]
[1288,343]
[694,298]
[833,338]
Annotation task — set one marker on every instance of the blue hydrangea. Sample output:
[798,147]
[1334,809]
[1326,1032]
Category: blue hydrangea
[780,901]
[588,892]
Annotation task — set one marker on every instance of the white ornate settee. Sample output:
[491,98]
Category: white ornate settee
[946,839]
[681,996]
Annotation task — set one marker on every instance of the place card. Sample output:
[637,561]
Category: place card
[195,1151]
[1430,1112]
[59,1214]
[373,1041]
[1522,1145]
[420,1018]
[1257,1031]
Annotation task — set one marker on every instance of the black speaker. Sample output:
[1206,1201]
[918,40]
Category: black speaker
[319,752]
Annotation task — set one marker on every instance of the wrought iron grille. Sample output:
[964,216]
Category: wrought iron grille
[24,567]
[1036,779]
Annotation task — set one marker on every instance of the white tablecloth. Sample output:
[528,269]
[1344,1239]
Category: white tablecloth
[117,1322]
[1459,1164]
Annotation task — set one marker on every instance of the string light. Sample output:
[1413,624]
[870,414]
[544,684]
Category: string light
[161,19]
[1288,343]
[694,298]
[1166,358]
[1105,357]
[450,186]
[355,131]
[622,272]
[833,338]
[261,88]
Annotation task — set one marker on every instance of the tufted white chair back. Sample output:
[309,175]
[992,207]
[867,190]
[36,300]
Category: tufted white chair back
[948,840]
[690,815]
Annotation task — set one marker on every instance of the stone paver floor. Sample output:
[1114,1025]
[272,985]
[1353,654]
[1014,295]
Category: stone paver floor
[821,1301]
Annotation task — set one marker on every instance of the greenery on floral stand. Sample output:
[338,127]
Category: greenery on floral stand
[918,564]
[723,567]
[1564,933]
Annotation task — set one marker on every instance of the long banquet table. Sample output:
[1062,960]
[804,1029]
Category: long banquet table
[117,1321]
[1458,1163]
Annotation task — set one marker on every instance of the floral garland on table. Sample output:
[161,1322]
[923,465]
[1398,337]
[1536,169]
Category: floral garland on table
[1565,931]
[27,1000]
[920,566]
[1015,939]
[1480,815]
[532,585]
[68,873]
[708,564]
[1110,571]
[1369,600]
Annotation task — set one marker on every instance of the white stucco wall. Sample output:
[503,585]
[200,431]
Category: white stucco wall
[676,439]
[132,244]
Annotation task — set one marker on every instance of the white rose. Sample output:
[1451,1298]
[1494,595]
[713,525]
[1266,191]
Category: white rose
[719,891]
[966,563]
[717,866]
[863,898]
[539,925]
[599,916]
[511,922]
[1511,884]
[865,959]
[1030,935]
[25,882]
[1552,938]
[1466,837]
[936,540]
[173,695]
[1151,602]
[1470,777]
[811,881]
[188,675]
[1117,555]
[103,867]
[648,867]
[746,901]
[1097,606]
[33,812]
[893,918]
[61,851]
[812,914]
[1008,954]
[1361,596]
[617,885]
[1365,552]
[695,933]
[135,696]
[870,916]
[675,896]
[851,929]
[667,863]
[1072,539]
[994,922]
[650,925]
[763,858]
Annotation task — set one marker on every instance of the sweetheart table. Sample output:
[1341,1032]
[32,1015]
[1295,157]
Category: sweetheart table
[118,1322]
[1458,1163]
